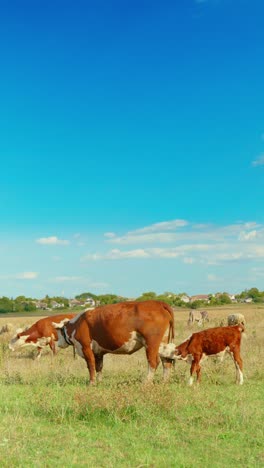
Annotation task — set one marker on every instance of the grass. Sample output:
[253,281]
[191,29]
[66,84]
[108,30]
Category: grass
[49,416]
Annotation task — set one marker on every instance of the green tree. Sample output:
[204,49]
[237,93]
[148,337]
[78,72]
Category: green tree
[147,296]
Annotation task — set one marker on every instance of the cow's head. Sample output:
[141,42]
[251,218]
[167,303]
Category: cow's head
[167,351]
[63,339]
[19,339]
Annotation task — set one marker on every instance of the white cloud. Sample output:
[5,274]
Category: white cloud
[52,240]
[245,236]
[163,226]
[259,161]
[144,238]
[27,275]
[117,254]
[109,235]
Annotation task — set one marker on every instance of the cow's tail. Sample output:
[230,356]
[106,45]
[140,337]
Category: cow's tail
[171,327]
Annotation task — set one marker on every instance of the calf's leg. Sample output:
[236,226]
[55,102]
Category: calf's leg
[239,366]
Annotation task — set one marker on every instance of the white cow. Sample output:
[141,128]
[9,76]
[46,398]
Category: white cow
[236,319]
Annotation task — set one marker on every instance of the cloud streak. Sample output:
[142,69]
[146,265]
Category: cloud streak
[259,161]
[190,243]
[52,240]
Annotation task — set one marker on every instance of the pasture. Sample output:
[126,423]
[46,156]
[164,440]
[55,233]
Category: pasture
[49,416]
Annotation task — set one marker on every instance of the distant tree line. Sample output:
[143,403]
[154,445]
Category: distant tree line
[27,304]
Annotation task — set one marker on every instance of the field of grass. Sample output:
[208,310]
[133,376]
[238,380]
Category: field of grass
[49,416]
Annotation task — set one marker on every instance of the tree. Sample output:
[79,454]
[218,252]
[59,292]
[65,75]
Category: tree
[147,296]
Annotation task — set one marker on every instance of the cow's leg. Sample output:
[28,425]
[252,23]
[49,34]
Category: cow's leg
[198,372]
[90,361]
[152,353]
[99,362]
[239,366]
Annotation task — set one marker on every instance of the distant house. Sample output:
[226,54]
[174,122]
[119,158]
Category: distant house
[89,301]
[185,298]
[200,297]
[42,305]
[248,300]
[56,305]
[75,302]
[232,297]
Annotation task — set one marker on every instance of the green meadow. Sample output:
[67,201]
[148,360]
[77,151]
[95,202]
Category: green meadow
[50,417]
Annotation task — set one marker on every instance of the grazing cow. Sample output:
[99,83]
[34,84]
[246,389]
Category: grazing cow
[236,319]
[7,328]
[198,316]
[211,342]
[121,328]
[40,334]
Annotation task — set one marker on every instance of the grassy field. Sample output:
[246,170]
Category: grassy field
[49,416]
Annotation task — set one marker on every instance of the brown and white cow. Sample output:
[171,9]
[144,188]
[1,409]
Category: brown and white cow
[40,334]
[121,328]
[213,341]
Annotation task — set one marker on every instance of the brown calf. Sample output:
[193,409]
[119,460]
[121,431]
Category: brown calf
[121,328]
[213,341]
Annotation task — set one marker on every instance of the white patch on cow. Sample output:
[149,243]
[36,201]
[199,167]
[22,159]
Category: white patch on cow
[16,343]
[240,374]
[59,325]
[167,350]
[77,345]
[135,342]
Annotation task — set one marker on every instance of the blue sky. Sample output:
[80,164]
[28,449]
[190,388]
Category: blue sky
[132,146]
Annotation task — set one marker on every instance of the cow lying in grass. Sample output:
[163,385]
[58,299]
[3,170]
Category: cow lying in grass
[40,334]
[121,328]
[211,342]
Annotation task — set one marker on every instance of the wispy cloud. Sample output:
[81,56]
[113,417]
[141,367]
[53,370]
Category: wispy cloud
[26,275]
[259,161]
[163,226]
[190,243]
[52,240]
